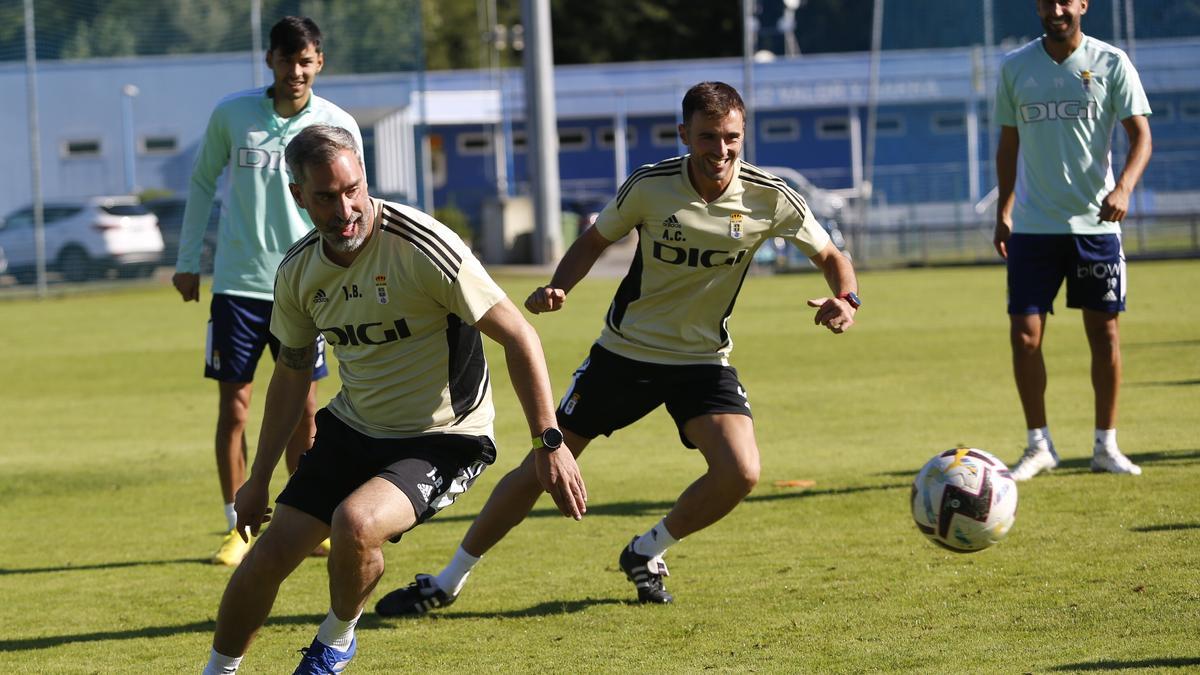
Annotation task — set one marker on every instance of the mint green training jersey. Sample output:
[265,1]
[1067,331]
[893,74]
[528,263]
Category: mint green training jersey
[1065,114]
[259,217]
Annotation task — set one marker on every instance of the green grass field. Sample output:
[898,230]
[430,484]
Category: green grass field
[111,505]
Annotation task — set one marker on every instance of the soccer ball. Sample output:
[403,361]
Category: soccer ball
[964,500]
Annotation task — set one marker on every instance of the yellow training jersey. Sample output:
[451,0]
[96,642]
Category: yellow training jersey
[674,304]
[400,320]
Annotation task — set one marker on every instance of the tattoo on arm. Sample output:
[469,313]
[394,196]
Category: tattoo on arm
[298,358]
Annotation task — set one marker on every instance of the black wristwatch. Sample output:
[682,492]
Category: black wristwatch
[852,298]
[550,440]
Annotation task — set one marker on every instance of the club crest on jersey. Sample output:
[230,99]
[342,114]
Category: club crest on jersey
[735,225]
[1086,78]
[381,289]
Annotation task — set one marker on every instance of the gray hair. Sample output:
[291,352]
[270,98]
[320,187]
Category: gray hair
[318,143]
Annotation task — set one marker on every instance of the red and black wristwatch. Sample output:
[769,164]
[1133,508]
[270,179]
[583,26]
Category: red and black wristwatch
[852,298]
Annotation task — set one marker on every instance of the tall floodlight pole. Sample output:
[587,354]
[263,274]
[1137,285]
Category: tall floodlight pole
[867,187]
[256,48]
[128,93]
[35,150]
[748,76]
[542,128]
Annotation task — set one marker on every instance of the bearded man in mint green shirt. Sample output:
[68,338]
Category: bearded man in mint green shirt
[246,137]
[1058,100]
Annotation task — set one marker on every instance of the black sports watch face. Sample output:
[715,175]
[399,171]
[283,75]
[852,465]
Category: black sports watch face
[552,439]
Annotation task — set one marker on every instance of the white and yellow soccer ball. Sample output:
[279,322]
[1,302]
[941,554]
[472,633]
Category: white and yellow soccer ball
[964,499]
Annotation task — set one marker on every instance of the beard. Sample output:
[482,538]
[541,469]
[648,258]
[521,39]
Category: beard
[341,244]
[1061,34]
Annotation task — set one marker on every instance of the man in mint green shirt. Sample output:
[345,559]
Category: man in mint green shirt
[1058,100]
[246,137]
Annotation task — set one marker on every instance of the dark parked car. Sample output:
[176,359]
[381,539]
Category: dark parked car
[170,220]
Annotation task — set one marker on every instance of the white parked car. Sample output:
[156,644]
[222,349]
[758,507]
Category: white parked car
[84,239]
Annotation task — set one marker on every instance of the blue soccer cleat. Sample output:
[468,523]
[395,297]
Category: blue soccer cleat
[320,659]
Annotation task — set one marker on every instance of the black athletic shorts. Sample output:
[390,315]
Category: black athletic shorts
[610,392]
[431,470]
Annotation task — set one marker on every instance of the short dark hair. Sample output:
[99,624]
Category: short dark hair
[293,33]
[714,99]
[318,143]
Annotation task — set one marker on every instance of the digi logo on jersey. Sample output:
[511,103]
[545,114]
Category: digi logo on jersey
[694,257]
[1060,110]
[253,158]
[366,333]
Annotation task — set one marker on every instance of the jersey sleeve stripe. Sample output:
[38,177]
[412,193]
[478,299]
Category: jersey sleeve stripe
[451,271]
[403,222]
[666,167]
[788,193]
[313,237]
[753,172]
[429,242]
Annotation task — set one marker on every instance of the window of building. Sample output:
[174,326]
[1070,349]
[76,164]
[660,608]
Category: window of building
[949,123]
[780,129]
[665,135]
[829,128]
[158,145]
[1189,110]
[607,134]
[80,148]
[889,125]
[570,139]
[474,143]
[520,142]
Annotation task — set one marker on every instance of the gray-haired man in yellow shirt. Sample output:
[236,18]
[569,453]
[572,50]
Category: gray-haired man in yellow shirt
[402,302]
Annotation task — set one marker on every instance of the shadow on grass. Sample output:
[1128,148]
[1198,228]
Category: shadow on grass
[1075,465]
[4,571]
[1170,527]
[1164,383]
[369,620]
[550,608]
[1107,664]
[1160,343]
[48,641]
[643,508]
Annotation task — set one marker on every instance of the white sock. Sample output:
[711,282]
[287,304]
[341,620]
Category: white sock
[1106,438]
[230,517]
[219,664]
[1038,436]
[337,633]
[454,577]
[655,541]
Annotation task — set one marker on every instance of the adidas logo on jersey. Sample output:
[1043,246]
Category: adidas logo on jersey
[671,221]
[426,491]
[1030,82]
[320,296]
[1110,296]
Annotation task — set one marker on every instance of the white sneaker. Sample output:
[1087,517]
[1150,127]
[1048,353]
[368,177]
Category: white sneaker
[1112,461]
[1037,458]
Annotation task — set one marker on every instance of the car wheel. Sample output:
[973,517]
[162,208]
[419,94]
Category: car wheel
[74,264]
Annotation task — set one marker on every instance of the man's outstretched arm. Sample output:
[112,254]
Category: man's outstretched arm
[557,470]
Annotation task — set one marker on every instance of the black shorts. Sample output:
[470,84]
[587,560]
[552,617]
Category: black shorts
[431,470]
[609,392]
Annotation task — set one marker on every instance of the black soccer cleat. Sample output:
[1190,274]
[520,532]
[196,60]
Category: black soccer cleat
[646,574]
[414,599]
